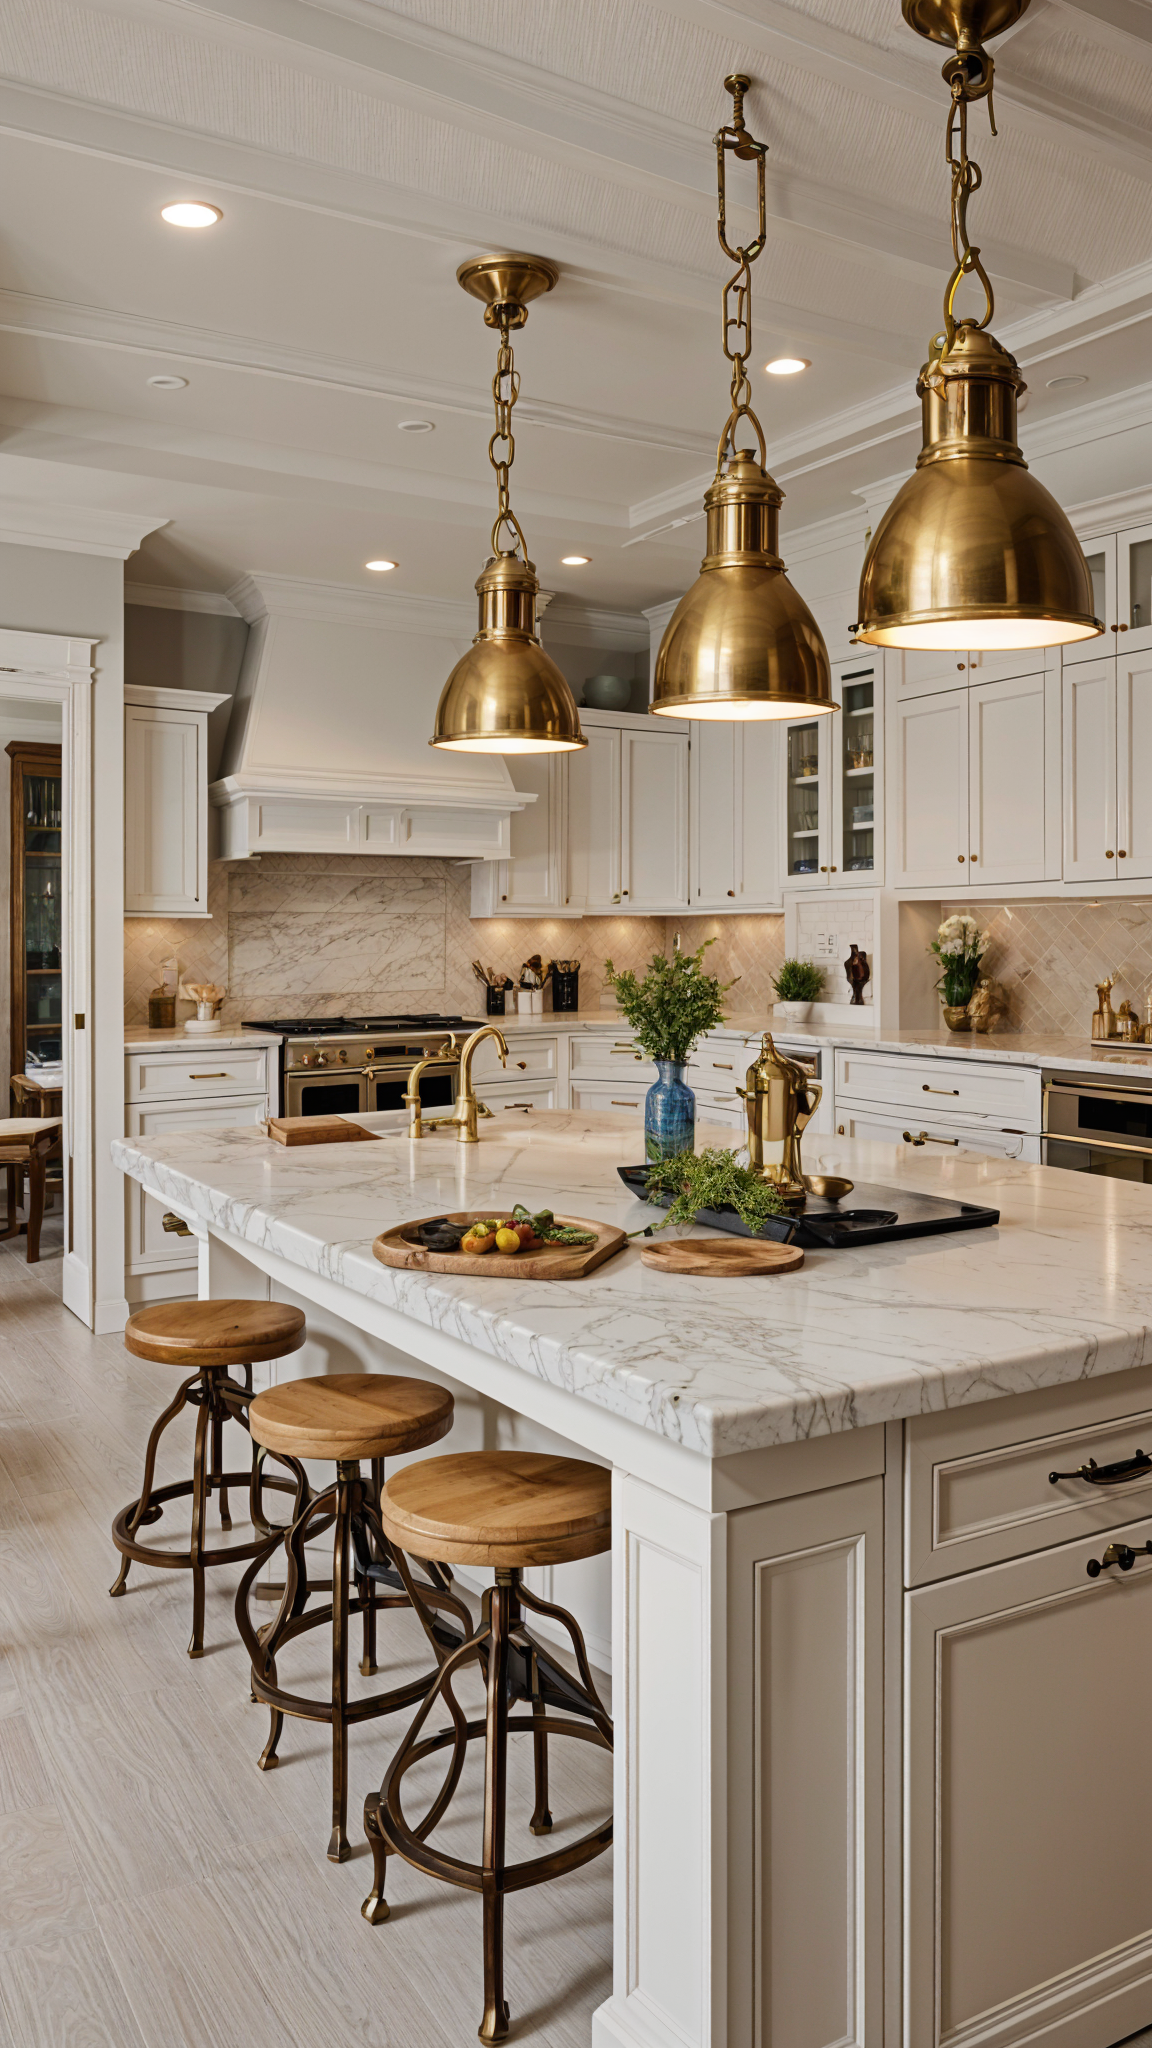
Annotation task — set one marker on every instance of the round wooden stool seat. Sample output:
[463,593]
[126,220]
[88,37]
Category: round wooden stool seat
[202,1334]
[500,1508]
[350,1415]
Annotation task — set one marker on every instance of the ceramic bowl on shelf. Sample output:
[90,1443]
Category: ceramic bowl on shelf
[607,693]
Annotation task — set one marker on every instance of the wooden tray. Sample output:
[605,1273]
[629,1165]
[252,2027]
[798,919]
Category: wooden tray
[738,1259]
[316,1130]
[401,1247]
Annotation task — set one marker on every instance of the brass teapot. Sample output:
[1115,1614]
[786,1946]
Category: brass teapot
[780,1100]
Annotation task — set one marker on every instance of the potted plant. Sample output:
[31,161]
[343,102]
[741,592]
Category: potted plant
[798,985]
[959,947]
[674,1005]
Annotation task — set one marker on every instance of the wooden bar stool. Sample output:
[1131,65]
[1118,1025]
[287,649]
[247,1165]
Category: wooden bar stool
[25,1143]
[508,1509]
[206,1338]
[344,1417]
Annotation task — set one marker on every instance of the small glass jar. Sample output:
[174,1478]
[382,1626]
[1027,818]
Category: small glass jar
[161,1011]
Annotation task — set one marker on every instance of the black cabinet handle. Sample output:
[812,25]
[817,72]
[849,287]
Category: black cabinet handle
[1117,1553]
[1107,1475]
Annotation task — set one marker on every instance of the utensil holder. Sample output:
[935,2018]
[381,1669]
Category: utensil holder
[496,1001]
[566,989]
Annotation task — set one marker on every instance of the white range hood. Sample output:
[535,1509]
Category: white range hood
[327,750]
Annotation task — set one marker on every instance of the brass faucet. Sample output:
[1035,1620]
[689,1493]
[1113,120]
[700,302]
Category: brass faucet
[416,1126]
[467,1108]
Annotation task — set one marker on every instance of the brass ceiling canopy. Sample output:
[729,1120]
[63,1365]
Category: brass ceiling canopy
[973,551]
[741,643]
[507,696]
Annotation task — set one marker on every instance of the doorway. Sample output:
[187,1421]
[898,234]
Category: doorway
[33,949]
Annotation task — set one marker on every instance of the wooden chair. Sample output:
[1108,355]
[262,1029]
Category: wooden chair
[508,1509]
[25,1142]
[205,1339]
[343,1418]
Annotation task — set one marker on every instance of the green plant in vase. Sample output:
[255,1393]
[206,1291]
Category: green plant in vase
[668,1011]
[798,984]
[959,946]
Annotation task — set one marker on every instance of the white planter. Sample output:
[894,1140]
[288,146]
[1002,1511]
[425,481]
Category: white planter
[794,1013]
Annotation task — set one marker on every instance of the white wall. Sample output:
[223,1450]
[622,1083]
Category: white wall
[19,720]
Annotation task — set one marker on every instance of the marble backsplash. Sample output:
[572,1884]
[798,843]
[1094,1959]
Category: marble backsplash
[1049,957]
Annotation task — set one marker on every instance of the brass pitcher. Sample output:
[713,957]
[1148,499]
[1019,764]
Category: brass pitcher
[780,1100]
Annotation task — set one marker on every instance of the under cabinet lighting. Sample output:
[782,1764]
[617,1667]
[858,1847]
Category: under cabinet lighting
[380,565]
[191,213]
[787,366]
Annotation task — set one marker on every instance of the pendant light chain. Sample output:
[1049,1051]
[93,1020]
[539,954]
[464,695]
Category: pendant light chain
[736,313]
[969,79]
[505,392]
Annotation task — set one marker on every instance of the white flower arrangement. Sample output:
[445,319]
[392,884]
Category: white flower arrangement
[959,946]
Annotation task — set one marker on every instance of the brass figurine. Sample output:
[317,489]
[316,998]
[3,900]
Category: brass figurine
[780,1100]
[1104,1016]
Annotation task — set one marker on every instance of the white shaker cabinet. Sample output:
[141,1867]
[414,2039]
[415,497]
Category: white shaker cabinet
[929,766]
[1014,781]
[733,821]
[166,801]
[593,850]
[1134,764]
[654,820]
[1107,767]
[532,879]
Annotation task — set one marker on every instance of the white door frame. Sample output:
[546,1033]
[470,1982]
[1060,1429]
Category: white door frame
[54,668]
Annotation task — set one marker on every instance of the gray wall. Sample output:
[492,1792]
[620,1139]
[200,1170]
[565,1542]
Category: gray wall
[173,650]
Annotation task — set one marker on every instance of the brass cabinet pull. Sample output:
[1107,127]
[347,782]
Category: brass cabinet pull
[1118,1553]
[624,1105]
[1108,853]
[938,1091]
[1124,628]
[1107,1475]
[924,1139]
[823,871]
[723,1066]
[518,1105]
[731,892]
[960,666]
[1121,853]
[839,1130]
[176,1224]
[960,858]
[209,1077]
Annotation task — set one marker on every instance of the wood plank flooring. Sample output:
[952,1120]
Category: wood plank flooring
[156,1889]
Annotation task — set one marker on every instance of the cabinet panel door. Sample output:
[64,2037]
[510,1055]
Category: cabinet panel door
[1011,747]
[758,837]
[1100,556]
[654,820]
[712,813]
[1134,767]
[930,765]
[1134,589]
[806,773]
[164,795]
[925,671]
[151,1248]
[1028,1887]
[594,821]
[1089,748]
[532,877]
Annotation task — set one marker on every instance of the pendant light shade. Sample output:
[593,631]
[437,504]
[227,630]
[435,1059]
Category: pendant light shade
[972,552]
[742,643]
[507,696]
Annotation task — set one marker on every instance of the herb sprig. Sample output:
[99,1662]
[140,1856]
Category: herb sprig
[712,1179]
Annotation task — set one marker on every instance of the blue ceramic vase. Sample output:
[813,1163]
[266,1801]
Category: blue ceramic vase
[669,1113]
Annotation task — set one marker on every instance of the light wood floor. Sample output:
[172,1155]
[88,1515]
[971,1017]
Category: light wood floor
[156,1889]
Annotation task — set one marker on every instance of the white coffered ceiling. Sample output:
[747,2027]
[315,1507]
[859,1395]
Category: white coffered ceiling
[360,152]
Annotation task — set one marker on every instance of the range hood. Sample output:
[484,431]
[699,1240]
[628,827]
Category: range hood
[327,750]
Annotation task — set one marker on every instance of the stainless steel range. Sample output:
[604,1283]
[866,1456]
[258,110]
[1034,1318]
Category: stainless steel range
[334,1065]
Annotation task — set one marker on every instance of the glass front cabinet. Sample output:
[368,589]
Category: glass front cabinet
[833,787]
[37,820]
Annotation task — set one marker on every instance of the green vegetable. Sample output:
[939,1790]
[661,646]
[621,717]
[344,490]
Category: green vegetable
[546,1227]
[713,1179]
[799,981]
[674,1005]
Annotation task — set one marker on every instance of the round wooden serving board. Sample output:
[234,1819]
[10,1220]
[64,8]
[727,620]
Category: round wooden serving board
[402,1247]
[735,1259]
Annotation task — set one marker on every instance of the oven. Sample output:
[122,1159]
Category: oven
[343,1077]
[1092,1125]
[385,1080]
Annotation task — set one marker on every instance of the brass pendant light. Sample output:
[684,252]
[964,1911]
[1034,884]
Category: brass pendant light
[741,643]
[972,552]
[506,696]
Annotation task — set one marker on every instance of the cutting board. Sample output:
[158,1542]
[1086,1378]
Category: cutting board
[316,1130]
[402,1247]
[737,1259]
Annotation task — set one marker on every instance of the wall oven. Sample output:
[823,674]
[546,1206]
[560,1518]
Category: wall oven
[1097,1125]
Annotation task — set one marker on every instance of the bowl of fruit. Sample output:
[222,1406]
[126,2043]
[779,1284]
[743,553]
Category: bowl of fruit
[532,1244]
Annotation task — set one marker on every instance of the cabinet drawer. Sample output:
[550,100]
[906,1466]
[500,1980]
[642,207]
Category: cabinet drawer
[977,1483]
[538,1057]
[149,1247]
[170,1076]
[935,1136]
[608,1056]
[616,1097]
[971,1088]
[519,1095]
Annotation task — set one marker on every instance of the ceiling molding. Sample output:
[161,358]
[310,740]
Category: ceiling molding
[1105,515]
[259,594]
[73,529]
[572,624]
[166,597]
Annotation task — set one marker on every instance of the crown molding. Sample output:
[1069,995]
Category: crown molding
[167,598]
[1106,515]
[261,594]
[572,624]
[73,529]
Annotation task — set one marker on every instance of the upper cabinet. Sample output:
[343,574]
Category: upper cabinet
[976,780]
[1107,764]
[166,801]
[831,774]
[733,810]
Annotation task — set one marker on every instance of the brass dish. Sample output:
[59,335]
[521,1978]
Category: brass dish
[828,1185]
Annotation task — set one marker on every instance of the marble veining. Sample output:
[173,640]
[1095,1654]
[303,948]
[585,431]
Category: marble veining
[1062,1290]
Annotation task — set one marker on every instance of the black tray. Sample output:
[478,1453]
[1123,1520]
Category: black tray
[830,1226]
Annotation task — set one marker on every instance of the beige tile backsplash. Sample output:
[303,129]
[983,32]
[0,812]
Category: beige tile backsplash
[315,934]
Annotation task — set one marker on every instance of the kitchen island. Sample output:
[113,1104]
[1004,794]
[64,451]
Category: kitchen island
[858,1657]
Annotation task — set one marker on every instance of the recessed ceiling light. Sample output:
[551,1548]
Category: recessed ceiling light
[575,561]
[416,426]
[1062,383]
[168,383]
[191,213]
[787,366]
[380,565]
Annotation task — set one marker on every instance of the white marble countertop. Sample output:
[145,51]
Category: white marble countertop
[1061,1290]
[139,1038]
